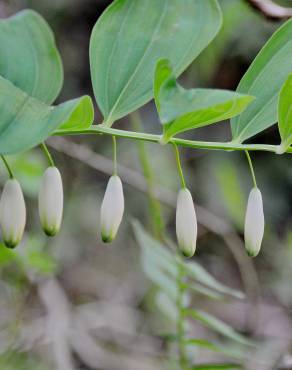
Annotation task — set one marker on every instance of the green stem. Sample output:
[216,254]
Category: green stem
[7,167]
[183,360]
[251,169]
[179,167]
[156,216]
[229,146]
[115,169]
[47,154]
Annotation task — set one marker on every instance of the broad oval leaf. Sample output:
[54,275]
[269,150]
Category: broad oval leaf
[181,110]
[264,80]
[131,36]
[285,115]
[29,57]
[26,122]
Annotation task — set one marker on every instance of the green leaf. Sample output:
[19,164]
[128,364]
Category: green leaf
[16,360]
[224,348]
[28,167]
[158,264]
[217,325]
[155,251]
[7,256]
[197,272]
[162,268]
[216,366]
[181,110]
[29,57]
[203,343]
[264,80]
[285,115]
[167,306]
[41,262]
[131,36]
[161,279]
[82,114]
[200,289]
[26,122]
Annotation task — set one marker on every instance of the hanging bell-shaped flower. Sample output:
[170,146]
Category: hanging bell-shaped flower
[51,201]
[254,223]
[186,223]
[112,209]
[12,213]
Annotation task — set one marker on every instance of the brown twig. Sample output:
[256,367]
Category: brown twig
[271,10]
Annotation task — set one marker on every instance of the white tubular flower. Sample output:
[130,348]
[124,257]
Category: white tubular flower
[254,223]
[186,223]
[112,209]
[51,201]
[12,213]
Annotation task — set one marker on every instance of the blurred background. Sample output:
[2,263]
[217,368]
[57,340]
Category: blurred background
[71,302]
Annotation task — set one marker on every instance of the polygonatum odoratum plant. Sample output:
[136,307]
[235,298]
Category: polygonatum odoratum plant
[137,51]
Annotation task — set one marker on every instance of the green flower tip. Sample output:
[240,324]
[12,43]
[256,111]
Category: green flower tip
[251,253]
[50,231]
[188,253]
[11,244]
[107,238]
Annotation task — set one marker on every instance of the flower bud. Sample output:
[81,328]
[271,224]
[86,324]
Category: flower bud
[112,209]
[186,223]
[51,201]
[254,223]
[12,213]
